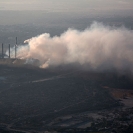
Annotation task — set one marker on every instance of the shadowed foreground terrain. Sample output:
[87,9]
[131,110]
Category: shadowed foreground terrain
[64,100]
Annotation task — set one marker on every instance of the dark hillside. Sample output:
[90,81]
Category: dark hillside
[30,98]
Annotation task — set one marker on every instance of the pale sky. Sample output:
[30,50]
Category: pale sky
[20,11]
[67,5]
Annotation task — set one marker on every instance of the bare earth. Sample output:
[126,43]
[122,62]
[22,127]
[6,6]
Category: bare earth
[64,99]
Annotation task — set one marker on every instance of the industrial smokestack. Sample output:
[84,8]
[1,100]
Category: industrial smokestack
[9,50]
[16,40]
[2,51]
[16,49]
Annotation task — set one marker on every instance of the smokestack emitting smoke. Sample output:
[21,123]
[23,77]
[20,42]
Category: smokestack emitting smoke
[96,46]
[9,50]
[16,49]
[2,51]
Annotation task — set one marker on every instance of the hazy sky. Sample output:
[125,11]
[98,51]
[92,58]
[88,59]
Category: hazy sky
[55,16]
[28,11]
[67,5]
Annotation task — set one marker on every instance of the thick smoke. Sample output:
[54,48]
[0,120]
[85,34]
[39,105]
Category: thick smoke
[97,46]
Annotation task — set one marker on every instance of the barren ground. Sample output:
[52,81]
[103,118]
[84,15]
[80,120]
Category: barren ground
[61,99]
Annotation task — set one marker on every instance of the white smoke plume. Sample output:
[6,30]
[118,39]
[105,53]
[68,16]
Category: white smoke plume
[96,46]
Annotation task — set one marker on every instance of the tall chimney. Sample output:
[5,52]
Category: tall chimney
[16,49]
[2,51]
[9,50]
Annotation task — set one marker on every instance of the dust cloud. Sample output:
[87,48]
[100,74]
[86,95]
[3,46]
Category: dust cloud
[97,46]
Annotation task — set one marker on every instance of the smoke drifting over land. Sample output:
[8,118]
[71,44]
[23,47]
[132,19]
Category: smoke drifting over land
[97,46]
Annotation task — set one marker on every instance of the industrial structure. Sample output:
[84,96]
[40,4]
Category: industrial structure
[11,58]
[16,49]
[9,55]
[9,50]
